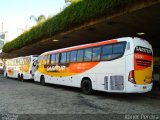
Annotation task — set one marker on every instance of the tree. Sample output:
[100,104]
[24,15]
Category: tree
[38,19]
[71,1]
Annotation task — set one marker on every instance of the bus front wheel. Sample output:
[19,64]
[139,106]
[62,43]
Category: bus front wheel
[86,86]
[42,81]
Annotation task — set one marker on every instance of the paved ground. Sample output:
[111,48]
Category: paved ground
[31,98]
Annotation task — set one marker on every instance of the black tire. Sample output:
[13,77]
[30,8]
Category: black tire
[42,81]
[22,79]
[86,87]
[19,77]
[6,75]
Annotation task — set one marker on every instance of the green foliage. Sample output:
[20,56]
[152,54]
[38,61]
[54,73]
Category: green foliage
[74,14]
[72,1]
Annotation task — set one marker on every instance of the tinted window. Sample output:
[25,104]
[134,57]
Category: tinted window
[20,61]
[57,58]
[17,62]
[48,59]
[68,57]
[88,54]
[118,50]
[53,59]
[80,54]
[14,61]
[63,58]
[73,56]
[96,54]
[28,60]
[44,60]
[113,51]
[39,59]
[107,52]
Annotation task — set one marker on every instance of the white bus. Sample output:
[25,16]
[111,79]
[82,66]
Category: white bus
[122,65]
[22,68]
[1,64]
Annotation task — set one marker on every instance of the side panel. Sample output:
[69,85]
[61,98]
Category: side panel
[110,76]
[12,71]
[67,74]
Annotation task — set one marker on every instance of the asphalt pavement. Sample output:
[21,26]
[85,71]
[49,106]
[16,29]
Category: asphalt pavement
[29,100]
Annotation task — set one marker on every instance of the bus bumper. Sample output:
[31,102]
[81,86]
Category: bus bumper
[139,88]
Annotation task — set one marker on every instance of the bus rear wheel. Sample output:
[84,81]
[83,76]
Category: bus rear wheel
[6,75]
[42,81]
[19,77]
[22,79]
[86,86]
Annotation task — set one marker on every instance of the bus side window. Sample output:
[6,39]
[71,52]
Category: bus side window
[22,60]
[73,56]
[118,50]
[96,54]
[17,61]
[87,54]
[25,60]
[39,62]
[57,58]
[68,57]
[63,58]
[106,52]
[44,61]
[28,60]
[48,60]
[80,55]
[53,59]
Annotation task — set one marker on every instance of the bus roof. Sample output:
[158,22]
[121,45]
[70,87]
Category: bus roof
[81,46]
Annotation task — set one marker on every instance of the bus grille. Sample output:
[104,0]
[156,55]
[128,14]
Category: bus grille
[117,82]
[144,63]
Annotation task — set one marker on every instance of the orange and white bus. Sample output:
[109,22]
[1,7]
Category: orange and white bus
[22,68]
[122,65]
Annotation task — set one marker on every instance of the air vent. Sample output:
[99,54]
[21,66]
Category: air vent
[117,82]
[106,82]
[144,63]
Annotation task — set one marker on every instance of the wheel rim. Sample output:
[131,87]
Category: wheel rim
[86,87]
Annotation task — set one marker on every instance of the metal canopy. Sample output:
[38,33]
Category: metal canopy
[145,21]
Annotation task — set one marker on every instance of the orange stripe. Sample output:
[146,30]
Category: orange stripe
[81,67]
[143,57]
[72,69]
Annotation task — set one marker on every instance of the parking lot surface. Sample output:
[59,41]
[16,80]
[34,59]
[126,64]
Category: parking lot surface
[31,98]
